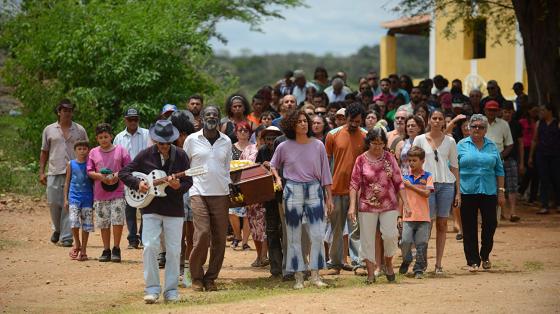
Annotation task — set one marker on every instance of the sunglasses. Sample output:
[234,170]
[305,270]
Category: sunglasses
[269,138]
[478,127]
[436,155]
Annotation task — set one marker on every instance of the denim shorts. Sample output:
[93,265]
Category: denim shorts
[238,211]
[441,200]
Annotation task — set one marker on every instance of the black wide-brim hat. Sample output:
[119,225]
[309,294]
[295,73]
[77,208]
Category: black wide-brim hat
[163,131]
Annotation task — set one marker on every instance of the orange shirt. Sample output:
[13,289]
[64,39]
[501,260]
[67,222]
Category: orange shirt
[419,204]
[343,148]
[255,120]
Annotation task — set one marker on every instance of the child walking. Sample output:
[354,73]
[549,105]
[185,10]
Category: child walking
[416,222]
[104,163]
[78,200]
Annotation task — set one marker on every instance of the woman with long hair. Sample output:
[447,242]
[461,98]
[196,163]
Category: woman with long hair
[307,189]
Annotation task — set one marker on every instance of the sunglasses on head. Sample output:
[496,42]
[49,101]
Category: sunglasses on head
[436,155]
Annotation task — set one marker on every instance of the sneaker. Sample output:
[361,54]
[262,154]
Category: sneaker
[133,245]
[105,256]
[514,218]
[173,299]
[347,267]
[391,278]
[404,268]
[161,260]
[473,268]
[543,211]
[151,298]
[418,275]
[246,247]
[439,271]
[486,264]
[234,244]
[54,237]
[185,280]
[66,243]
[116,255]
[459,237]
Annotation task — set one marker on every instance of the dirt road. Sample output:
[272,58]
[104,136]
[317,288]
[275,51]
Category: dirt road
[37,276]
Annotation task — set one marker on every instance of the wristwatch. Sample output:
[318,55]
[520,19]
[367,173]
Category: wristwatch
[502,190]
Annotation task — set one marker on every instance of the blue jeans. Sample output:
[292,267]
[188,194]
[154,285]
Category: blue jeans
[417,233]
[441,200]
[171,227]
[338,219]
[132,226]
[304,202]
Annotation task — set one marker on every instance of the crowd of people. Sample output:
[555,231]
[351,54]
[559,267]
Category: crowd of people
[359,174]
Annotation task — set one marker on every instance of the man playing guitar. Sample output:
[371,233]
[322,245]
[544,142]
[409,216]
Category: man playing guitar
[163,214]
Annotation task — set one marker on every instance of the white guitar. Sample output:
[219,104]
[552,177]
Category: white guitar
[157,182]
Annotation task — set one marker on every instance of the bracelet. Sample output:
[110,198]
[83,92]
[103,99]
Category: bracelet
[502,190]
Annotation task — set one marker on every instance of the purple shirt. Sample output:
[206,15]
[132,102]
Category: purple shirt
[114,159]
[303,162]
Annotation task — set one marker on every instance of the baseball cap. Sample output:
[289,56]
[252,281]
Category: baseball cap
[341,112]
[168,108]
[492,105]
[131,112]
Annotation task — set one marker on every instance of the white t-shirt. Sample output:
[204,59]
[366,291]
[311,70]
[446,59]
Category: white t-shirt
[447,157]
[215,158]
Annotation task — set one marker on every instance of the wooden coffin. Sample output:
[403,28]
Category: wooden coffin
[255,183]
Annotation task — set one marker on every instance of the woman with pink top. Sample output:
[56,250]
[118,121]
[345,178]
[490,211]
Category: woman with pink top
[377,177]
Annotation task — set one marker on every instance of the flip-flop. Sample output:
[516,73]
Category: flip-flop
[74,252]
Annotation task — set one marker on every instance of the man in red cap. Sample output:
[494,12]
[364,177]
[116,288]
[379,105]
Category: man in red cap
[500,133]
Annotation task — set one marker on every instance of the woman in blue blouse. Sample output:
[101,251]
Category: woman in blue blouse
[482,187]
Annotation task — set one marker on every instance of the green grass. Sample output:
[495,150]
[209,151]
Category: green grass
[533,265]
[241,290]
[6,244]
[19,165]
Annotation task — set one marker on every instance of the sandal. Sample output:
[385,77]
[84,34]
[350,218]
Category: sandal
[514,218]
[256,263]
[82,257]
[74,252]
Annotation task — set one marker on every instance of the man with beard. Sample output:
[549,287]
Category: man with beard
[415,100]
[344,144]
[209,197]
[194,105]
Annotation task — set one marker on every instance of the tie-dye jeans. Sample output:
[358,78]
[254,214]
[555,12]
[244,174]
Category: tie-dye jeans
[303,206]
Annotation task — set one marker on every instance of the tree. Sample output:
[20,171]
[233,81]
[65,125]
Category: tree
[110,54]
[538,24]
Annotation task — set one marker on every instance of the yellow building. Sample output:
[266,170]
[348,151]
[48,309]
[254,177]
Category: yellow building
[469,57]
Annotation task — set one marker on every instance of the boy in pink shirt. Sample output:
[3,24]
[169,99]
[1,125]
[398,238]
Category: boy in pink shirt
[104,163]
[416,221]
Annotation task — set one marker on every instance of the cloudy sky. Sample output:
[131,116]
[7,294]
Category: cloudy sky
[324,26]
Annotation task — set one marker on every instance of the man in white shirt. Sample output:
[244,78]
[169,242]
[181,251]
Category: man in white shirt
[498,129]
[209,197]
[337,91]
[134,139]
[300,86]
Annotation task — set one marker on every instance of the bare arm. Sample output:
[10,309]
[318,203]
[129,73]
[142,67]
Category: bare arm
[43,158]
[418,189]
[406,207]
[67,185]
[501,193]
[352,205]
[455,172]
[451,124]
[507,150]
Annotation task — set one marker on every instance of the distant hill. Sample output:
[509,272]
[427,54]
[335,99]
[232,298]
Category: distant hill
[256,71]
